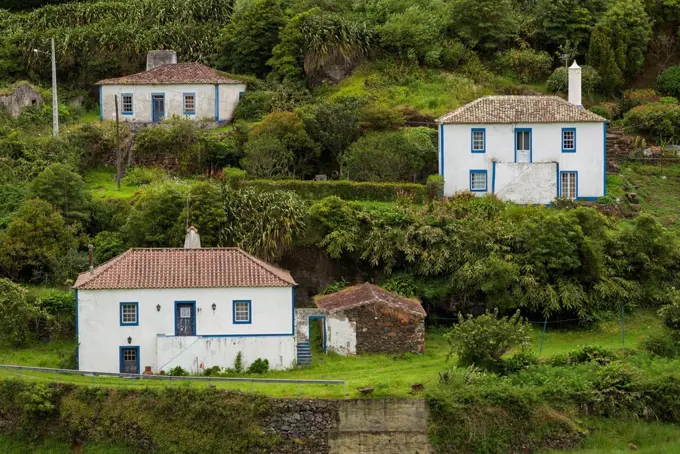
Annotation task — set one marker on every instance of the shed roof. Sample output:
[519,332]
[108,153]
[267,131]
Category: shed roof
[179,73]
[183,268]
[519,109]
[367,293]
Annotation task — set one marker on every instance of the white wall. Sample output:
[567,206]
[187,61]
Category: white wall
[341,333]
[525,183]
[100,334]
[588,160]
[174,101]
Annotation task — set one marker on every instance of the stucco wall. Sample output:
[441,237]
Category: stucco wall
[174,101]
[100,334]
[458,160]
[526,183]
[22,96]
[341,333]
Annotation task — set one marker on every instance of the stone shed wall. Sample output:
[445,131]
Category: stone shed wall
[21,97]
[384,329]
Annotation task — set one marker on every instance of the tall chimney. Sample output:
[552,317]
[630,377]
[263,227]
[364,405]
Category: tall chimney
[90,250]
[160,57]
[192,240]
[575,84]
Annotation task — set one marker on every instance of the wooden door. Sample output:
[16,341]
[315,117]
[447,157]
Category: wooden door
[185,318]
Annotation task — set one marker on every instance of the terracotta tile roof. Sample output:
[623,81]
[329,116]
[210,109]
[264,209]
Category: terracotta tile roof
[180,73]
[519,109]
[362,294]
[184,268]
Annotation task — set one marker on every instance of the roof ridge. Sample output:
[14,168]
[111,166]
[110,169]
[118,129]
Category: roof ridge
[267,266]
[101,269]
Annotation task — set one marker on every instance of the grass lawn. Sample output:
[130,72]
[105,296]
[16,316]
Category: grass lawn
[9,445]
[657,189]
[102,185]
[389,375]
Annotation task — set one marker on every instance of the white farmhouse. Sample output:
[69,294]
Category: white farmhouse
[167,89]
[526,149]
[194,308]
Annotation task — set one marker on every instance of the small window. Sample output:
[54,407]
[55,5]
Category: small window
[129,354]
[128,314]
[241,94]
[184,312]
[241,311]
[478,180]
[478,140]
[568,185]
[568,140]
[189,104]
[126,107]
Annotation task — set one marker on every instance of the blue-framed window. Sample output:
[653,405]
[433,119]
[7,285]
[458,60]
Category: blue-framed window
[127,104]
[242,314]
[478,180]
[478,140]
[129,314]
[240,94]
[568,140]
[569,184]
[523,145]
[189,103]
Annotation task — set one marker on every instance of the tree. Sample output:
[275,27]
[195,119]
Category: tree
[206,212]
[335,125]
[484,24]
[560,21]
[267,157]
[154,220]
[15,313]
[247,41]
[601,58]
[65,190]
[107,245]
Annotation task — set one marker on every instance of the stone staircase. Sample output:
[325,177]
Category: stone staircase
[304,354]
[619,146]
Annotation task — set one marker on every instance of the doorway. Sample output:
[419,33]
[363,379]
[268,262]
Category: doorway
[157,107]
[129,360]
[185,318]
[317,333]
[523,145]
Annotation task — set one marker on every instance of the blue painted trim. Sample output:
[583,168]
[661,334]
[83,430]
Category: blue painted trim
[575,181]
[493,177]
[133,303]
[217,102]
[588,199]
[472,142]
[240,94]
[441,150]
[250,312]
[309,325]
[77,343]
[184,104]
[193,309]
[531,143]
[292,322]
[152,108]
[557,185]
[101,104]
[132,102]
[486,180]
[604,162]
[246,335]
[120,356]
[568,150]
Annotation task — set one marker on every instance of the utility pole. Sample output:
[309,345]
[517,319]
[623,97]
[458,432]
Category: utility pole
[118,157]
[55,104]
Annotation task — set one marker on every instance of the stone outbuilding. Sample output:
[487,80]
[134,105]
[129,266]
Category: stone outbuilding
[365,319]
[19,96]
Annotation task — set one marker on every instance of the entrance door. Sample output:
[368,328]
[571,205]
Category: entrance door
[129,360]
[317,333]
[185,318]
[157,107]
[522,145]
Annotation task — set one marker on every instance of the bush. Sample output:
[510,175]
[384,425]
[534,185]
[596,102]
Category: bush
[234,177]
[634,98]
[519,361]
[254,105]
[483,340]
[107,245]
[138,176]
[559,80]
[259,366]
[658,121]
[435,187]
[665,343]
[668,100]
[668,81]
[176,142]
[15,313]
[670,314]
[346,190]
[178,371]
[527,65]
[591,353]
[601,111]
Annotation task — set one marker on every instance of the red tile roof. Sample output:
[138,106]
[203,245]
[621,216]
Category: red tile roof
[180,73]
[184,268]
[362,294]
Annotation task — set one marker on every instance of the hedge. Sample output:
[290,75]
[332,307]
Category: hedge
[345,189]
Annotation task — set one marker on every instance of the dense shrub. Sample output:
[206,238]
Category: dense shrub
[519,361]
[107,245]
[668,81]
[254,105]
[559,80]
[174,143]
[15,313]
[259,366]
[527,64]
[634,98]
[178,371]
[65,190]
[435,187]
[659,121]
[138,176]
[670,314]
[665,343]
[483,340]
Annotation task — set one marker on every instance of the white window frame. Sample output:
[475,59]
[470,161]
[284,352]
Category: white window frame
[569,184]
[129,313]
[568,144]
[475,178]
[478,140]
[242,312]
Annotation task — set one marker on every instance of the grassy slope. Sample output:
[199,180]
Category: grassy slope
[9,445]
[657,188]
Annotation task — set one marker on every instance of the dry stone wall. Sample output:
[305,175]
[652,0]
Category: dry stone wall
[382,328]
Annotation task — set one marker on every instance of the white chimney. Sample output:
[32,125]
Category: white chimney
[160,57]
[575,84]
[192,240]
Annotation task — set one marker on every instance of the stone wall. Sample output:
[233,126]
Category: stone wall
[21,97]
[305,423]
[384,329]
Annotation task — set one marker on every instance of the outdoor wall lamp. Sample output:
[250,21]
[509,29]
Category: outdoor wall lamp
[214,306]
[158,307]
[129,339]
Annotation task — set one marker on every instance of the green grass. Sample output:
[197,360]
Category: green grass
[656,186]
[611,436]
[38,354]
[101,183]
[10,445]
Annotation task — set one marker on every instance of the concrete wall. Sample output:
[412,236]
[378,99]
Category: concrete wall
[206,100]
[100,334]
[526,183]
[458,159]
[21,97]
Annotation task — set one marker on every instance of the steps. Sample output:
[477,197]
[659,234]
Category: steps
[304,354]
[619,146]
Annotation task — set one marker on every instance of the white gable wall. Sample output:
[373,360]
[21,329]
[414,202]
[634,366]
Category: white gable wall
[206,98]
[458,160]
[100,333]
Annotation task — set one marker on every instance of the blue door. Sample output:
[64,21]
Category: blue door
[157,107]
[129,360]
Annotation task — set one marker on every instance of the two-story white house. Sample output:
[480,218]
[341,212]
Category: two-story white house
[194,308]
[526,149]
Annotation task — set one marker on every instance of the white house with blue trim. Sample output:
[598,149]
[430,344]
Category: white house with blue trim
[191,307]
[169,89]
[525,149]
